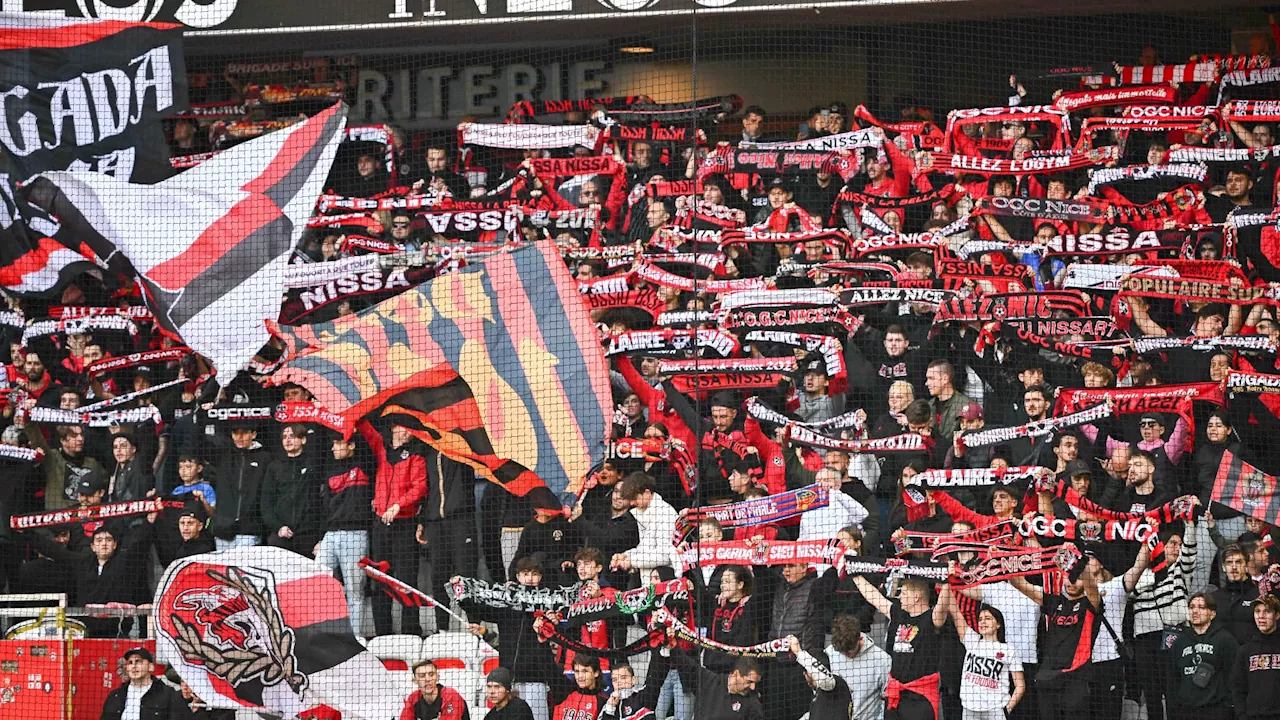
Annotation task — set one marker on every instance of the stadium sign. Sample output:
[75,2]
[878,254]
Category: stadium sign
[217,17]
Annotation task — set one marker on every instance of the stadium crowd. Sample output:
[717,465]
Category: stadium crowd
[836,336]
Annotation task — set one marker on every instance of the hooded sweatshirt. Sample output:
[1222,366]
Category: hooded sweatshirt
[1200,667]
[1255,682]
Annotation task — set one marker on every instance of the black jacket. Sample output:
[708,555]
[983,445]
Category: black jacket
[450,488]
[160,702]
[292,496]
[1255,680]
[1235,608]
[119,580]
[521,650]
[1197,658]
[202,543]
[348,492]
[239,482]
[130,481]
[797,611]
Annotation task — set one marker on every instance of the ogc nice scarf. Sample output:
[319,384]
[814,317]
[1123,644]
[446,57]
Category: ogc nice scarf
[266,628]
[1142,95]
[670,342]
[904,443]
[1004,306]
[993,567]
[1199,290]
[1037,428]
[978,165]
[980,477]
[86,514]
[768,649]
[628,603]
[1246,488]
[255,198]
[1069,529]
[910,541]
[758,511]
[737,552]
[1183,508]
[1254,343]
[510,596]
[132,360]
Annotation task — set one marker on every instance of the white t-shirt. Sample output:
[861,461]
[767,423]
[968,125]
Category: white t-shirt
[133,702]
[984,682]
[1021,617]
[1114,599]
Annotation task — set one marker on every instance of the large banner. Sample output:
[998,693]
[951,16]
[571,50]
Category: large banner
[496,365]
[88,96]
[266,628]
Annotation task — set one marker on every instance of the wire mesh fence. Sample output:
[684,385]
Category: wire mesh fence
[883,361]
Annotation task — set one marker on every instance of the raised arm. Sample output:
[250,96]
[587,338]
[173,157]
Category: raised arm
[1139,564]
[821,674]
[872,595]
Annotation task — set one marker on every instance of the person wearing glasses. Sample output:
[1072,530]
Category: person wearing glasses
[401,232]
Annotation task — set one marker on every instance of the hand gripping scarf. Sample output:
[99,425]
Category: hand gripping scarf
[1037,428]
[1182,508]
[1108,530]
[995,566]
[628,603]
[775,648]
[904,443]
[739,552]
[1141,95]
[105,418]
[1255,343]
[1190,290]
[89,514]
[764,413]
[1131,401]
[1003,306]
[755,512]
[895,567]
[980,477]
[922,135]
[1195,172]
[21,454]
[670,342]
[510,596]
[909,541]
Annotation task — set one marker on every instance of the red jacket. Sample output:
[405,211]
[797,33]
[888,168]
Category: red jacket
[580,705]
[402,475]
[452,706]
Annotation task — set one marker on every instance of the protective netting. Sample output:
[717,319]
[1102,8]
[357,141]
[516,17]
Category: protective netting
[904,361]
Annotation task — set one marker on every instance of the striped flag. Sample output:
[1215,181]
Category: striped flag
[266,628]
[1244,487]
[211,244]
[513,383]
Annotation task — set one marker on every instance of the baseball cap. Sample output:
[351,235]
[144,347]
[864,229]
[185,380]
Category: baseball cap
[724,400]
[971,411]
[90,483]
[194,510]
[816,365]
[141,652]
[1078,467]
[501,676]
[1269,600]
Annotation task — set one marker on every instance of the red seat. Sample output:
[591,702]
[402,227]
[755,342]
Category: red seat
[394,664]
[449,664]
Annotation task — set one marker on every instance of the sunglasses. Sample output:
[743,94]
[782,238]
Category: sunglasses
[1148,424]
[401,225]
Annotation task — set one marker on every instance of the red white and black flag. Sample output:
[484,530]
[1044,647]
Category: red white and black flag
[210,245]
[266,628]
[80,95]
[1246,488]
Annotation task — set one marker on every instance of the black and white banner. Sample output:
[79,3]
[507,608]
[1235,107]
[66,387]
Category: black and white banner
[88,96]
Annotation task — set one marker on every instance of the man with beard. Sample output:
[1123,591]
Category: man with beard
[1238,183]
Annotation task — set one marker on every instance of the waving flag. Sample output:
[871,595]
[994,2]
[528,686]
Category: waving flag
[513,383]
[210,245]
[263,627]
[97,92]
[1244,487]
